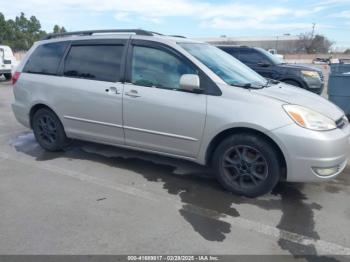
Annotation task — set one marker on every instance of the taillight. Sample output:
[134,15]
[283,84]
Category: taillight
[15,77]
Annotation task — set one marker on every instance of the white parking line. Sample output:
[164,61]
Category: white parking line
[323,247]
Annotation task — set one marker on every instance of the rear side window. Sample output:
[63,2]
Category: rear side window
[45,59]
[95,62]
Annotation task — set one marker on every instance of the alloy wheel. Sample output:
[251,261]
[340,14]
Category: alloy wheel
[47,129]
[244,166]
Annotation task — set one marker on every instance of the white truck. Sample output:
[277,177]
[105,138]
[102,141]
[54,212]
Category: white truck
[8,61]
[274,52]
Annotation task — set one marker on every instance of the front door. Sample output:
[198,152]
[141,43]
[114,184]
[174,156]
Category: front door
[157,115]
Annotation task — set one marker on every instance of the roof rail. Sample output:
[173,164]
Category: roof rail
[230,45]
[154,33]
[180,36]
[91,32]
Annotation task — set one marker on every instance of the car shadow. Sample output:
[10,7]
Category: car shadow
[204,202]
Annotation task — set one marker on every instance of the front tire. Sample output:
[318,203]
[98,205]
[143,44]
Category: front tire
[247,165]
[49,131]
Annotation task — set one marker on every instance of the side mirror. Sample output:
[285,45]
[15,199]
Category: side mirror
[190,82]
[263,64]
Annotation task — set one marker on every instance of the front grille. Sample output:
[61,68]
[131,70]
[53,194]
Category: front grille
[321,76]
[7,62]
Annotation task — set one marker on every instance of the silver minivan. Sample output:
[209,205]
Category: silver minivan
[180,98]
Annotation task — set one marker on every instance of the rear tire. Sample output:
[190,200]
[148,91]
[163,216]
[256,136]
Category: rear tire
[49,131]
[247,165]
[8,76]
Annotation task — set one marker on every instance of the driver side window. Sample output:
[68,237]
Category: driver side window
[251,57]
[155,67]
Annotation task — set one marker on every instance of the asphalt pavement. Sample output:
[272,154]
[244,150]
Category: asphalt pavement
[96,199]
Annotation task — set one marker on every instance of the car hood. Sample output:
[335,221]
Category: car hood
[297,96]
[300,67]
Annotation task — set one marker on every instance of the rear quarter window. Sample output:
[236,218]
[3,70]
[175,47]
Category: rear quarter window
[46,58]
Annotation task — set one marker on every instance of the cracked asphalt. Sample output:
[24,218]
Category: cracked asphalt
[96,199]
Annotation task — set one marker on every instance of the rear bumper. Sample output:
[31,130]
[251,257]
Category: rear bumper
[306,150]
[21,114]
[5,71]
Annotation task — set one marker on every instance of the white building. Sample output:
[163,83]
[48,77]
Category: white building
[283,44]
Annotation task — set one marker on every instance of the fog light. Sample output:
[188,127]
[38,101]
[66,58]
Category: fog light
[326,171]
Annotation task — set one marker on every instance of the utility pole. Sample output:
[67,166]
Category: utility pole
[309,41]
[313,30]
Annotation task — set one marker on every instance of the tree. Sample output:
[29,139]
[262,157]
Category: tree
[57,29]
[21,32]
[3,28]
[314,44]
[320,44]
[304,42]
[347,51]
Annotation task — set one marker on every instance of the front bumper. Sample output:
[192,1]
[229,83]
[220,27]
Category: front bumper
[314,85]
[317,91]
[306,150]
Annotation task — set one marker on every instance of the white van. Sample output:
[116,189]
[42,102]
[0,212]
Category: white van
[7,61]
[182,98]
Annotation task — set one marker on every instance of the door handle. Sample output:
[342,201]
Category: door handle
[132,93]
[113,90]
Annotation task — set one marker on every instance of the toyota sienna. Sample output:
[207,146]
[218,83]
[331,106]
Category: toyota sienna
[180,98]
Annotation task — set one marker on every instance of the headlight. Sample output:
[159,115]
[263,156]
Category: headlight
[312,74]
[309,119]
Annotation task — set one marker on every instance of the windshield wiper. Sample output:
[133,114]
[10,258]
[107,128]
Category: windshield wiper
[247,86]
[271,81]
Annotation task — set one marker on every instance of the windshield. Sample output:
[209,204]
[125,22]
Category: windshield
[273,58]
[229,69]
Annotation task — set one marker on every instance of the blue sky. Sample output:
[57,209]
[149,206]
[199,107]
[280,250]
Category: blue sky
[194,18]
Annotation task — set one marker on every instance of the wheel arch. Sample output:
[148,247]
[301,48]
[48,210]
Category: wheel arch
[35,108]
[214,143]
